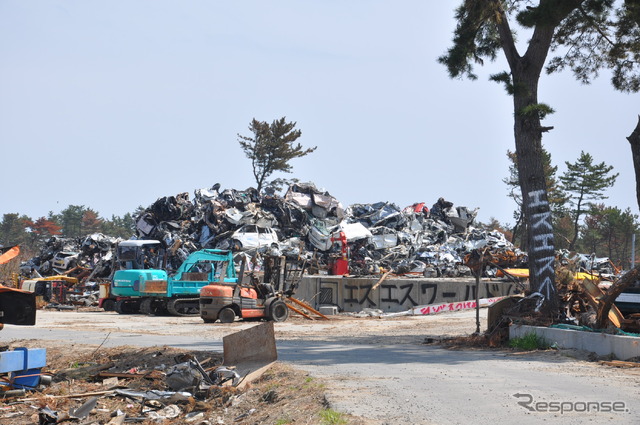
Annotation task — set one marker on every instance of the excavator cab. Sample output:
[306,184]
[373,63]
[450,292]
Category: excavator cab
[140,254]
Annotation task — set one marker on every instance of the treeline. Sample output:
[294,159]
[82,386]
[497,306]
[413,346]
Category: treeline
[72,222]
[582,222]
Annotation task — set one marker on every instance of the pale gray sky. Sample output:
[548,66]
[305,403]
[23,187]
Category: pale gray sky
[113,104]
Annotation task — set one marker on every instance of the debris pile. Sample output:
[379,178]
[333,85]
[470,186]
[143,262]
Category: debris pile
[601,266]
[158,385]
[306,224]
[84,258]
[68,270]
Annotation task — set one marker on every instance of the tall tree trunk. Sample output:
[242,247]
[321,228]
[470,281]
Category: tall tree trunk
[528,138]
[525,73]
[634,140]
[576,228]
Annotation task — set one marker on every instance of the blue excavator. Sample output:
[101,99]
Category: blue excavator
[143,285]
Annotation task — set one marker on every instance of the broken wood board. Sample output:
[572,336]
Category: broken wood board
[594,295]
[300,312]
[620,363]
[308,307]
[252,351]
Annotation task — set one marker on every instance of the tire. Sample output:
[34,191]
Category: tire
[236,245]
[278,311]
[109,305]
[227,315]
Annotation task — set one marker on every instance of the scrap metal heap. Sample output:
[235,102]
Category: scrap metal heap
[305,225]
[70,269]
[87,257]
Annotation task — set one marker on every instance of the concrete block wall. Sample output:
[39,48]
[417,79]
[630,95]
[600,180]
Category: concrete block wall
[623,347]
[395,295]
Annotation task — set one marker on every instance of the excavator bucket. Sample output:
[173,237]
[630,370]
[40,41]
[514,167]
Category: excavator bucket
[252,351]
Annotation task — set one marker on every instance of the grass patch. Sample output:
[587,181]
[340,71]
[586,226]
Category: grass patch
[331,417]
[530,341]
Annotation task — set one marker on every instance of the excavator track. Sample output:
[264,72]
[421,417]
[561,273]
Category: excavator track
[126,306]
[184,306]
[145,306]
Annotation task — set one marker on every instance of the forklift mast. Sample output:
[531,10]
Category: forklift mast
[283,274]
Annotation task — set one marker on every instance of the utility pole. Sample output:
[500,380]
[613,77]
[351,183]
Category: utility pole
[633,250]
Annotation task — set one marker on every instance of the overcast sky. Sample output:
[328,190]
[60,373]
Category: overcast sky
[113,104]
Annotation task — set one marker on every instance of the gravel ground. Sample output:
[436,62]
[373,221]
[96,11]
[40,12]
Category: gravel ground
[404,329]
[382,370]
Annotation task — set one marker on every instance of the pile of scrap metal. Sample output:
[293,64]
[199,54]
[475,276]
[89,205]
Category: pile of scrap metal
[165,392]
[68,270]
[600,266]
[89,256]
[306,225]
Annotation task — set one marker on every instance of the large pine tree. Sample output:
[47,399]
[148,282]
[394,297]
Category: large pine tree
[589,35]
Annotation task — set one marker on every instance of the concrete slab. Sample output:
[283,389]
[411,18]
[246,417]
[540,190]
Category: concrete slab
[623,347]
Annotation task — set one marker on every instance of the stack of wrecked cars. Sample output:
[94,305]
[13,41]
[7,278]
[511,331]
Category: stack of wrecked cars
[310,224]
[306,225]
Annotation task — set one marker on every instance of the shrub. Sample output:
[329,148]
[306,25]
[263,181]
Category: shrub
[530,341]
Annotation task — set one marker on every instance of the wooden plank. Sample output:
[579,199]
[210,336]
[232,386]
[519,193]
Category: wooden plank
[300,312]
[620,363]
[251,351]
[382,279]
[153,374]
[97,393]
[120,375]
[308,307]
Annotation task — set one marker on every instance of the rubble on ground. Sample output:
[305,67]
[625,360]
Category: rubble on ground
[118,385]
[305,225]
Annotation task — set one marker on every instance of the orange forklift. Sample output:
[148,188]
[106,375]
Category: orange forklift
[224,301]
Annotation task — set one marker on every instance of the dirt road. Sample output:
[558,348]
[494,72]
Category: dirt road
[381,370]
